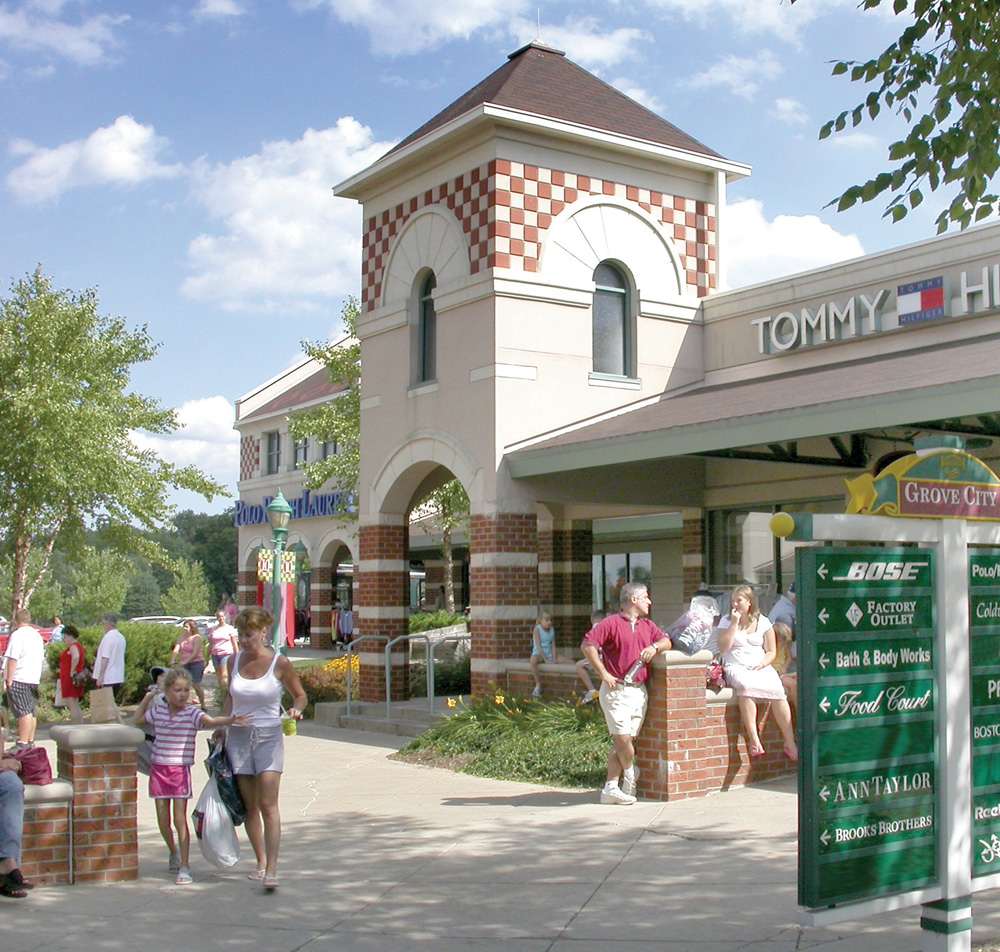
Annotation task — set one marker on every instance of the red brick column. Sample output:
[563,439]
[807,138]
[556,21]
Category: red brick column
[504,591]
[100,761]
[246,595]
[565,552]
[321,608]
[693,543]
[689,747]
[45,846]
[381,595]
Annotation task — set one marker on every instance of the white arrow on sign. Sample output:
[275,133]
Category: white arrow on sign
[824,794]
[823,571]
[825,838]
[823,661]
[824,705]
[824,616]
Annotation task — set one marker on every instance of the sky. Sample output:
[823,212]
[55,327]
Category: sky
[179,155]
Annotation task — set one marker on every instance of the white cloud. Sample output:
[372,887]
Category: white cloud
[742,75]
[35,27]
[789,111]
[583,40]
[217,9]
[756,249]
[205,439]
[855,140]
[123,153]
[286,239]
[409,26]
[783,19]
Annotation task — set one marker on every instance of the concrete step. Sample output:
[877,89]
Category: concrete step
[379,725]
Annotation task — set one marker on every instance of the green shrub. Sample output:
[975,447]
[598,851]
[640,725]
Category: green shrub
[328,682]
[428,621]
[509,738]
[451,676]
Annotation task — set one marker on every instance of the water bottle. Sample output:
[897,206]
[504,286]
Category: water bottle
[632,672]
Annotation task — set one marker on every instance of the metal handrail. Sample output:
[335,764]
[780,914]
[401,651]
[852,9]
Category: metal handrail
[388,665]
[350,649]
[430,662]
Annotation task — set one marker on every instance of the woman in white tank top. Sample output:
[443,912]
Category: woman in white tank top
[257,679]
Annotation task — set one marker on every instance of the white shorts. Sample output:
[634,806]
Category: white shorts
[624,708]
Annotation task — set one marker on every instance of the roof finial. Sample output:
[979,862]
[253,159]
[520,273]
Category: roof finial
[538,17]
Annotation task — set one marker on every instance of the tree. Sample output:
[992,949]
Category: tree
[189,594]
[337,422]
[49,596]
[101,578]
[942,76]
[212,540]
[446,510]
[143,595]
[67,460]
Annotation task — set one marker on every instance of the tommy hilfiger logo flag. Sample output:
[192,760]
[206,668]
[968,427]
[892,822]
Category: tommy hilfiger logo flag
[922,301]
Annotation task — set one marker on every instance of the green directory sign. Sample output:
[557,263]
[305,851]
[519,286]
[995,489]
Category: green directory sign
[984,650]
[867,689]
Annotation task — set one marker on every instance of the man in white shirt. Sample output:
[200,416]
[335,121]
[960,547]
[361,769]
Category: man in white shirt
[109,662]
[23,673]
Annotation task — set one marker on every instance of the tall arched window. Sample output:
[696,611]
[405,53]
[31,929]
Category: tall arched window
[612,320]
[426,332]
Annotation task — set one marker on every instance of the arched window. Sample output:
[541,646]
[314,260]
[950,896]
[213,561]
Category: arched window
[612,322]
[426,332]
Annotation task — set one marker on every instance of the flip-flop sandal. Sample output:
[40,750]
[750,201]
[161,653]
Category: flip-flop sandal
[183,877]
[17,878]
[270,883]
[257,875]
[10,889]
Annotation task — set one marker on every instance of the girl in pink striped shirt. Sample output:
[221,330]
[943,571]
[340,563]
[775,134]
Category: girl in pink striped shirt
[176,723]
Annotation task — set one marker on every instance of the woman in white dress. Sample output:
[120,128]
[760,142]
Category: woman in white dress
[748,646]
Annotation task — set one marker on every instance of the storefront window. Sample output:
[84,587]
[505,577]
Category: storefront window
[611,571]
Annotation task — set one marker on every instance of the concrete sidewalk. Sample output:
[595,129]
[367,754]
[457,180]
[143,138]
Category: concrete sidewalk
[379,856]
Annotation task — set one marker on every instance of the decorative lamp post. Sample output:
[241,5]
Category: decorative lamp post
[279,514]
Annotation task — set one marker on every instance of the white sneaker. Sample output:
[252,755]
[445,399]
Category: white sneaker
[537,692]
[628,786]
[589,696]
[617,796]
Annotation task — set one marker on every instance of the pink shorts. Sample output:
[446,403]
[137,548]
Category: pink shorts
[169,782]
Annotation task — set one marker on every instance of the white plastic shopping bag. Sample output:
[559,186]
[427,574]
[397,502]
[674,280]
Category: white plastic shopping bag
[214,828]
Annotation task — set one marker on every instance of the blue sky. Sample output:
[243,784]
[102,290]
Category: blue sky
[179,156]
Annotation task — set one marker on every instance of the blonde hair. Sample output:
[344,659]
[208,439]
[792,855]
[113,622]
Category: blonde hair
[543,614]
[174,675]
[782,633]
[253,618]
[751,596]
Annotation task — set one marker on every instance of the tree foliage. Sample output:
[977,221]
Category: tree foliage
[339,420]
[67,460]
[189,595]
[101,580]
[941,75]
[446,511]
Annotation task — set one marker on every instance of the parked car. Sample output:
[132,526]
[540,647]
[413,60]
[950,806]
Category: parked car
[46,634]
[158,619]
[204,622]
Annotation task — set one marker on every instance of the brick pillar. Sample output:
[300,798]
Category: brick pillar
[693,542]
[321,608]
[504,591]
[45,846]
[382,592]
[100,760]
[565,551]
[246,594]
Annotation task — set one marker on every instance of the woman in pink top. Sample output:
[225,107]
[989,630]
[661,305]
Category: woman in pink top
[189,652]
[257,680]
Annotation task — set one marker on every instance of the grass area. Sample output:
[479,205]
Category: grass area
[552,742]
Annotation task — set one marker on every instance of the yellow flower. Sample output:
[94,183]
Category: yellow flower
[498,698]
[452,702]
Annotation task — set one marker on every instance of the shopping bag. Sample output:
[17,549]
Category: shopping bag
[218,766]
[35,766]
[214,828]
[102,706]
[59,700]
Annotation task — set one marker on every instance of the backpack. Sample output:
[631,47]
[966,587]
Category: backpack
[691,632]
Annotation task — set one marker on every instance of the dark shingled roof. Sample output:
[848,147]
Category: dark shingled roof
[315,387]
[540,80]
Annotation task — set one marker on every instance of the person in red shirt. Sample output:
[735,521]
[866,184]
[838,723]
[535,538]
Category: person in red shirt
[613,647]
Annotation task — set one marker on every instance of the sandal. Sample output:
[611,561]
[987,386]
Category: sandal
[270,883]
[757,750]
[183,877]
[793,756]
[257,875]
[17,878]
[10,889]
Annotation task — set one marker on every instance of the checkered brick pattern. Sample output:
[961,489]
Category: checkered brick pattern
[505,207]
[249,457]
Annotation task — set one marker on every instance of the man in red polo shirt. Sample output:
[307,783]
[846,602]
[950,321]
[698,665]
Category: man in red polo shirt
[612,647]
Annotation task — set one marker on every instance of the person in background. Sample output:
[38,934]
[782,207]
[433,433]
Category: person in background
[229,608]
[57,630]
[748,645]
[109,662]
[12,884]
[543,649]
[189,652]
[783,609]
[257,680]
[23,673]
[72,664]
[614,647]
[221,647]
[784,662]
[583,668]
